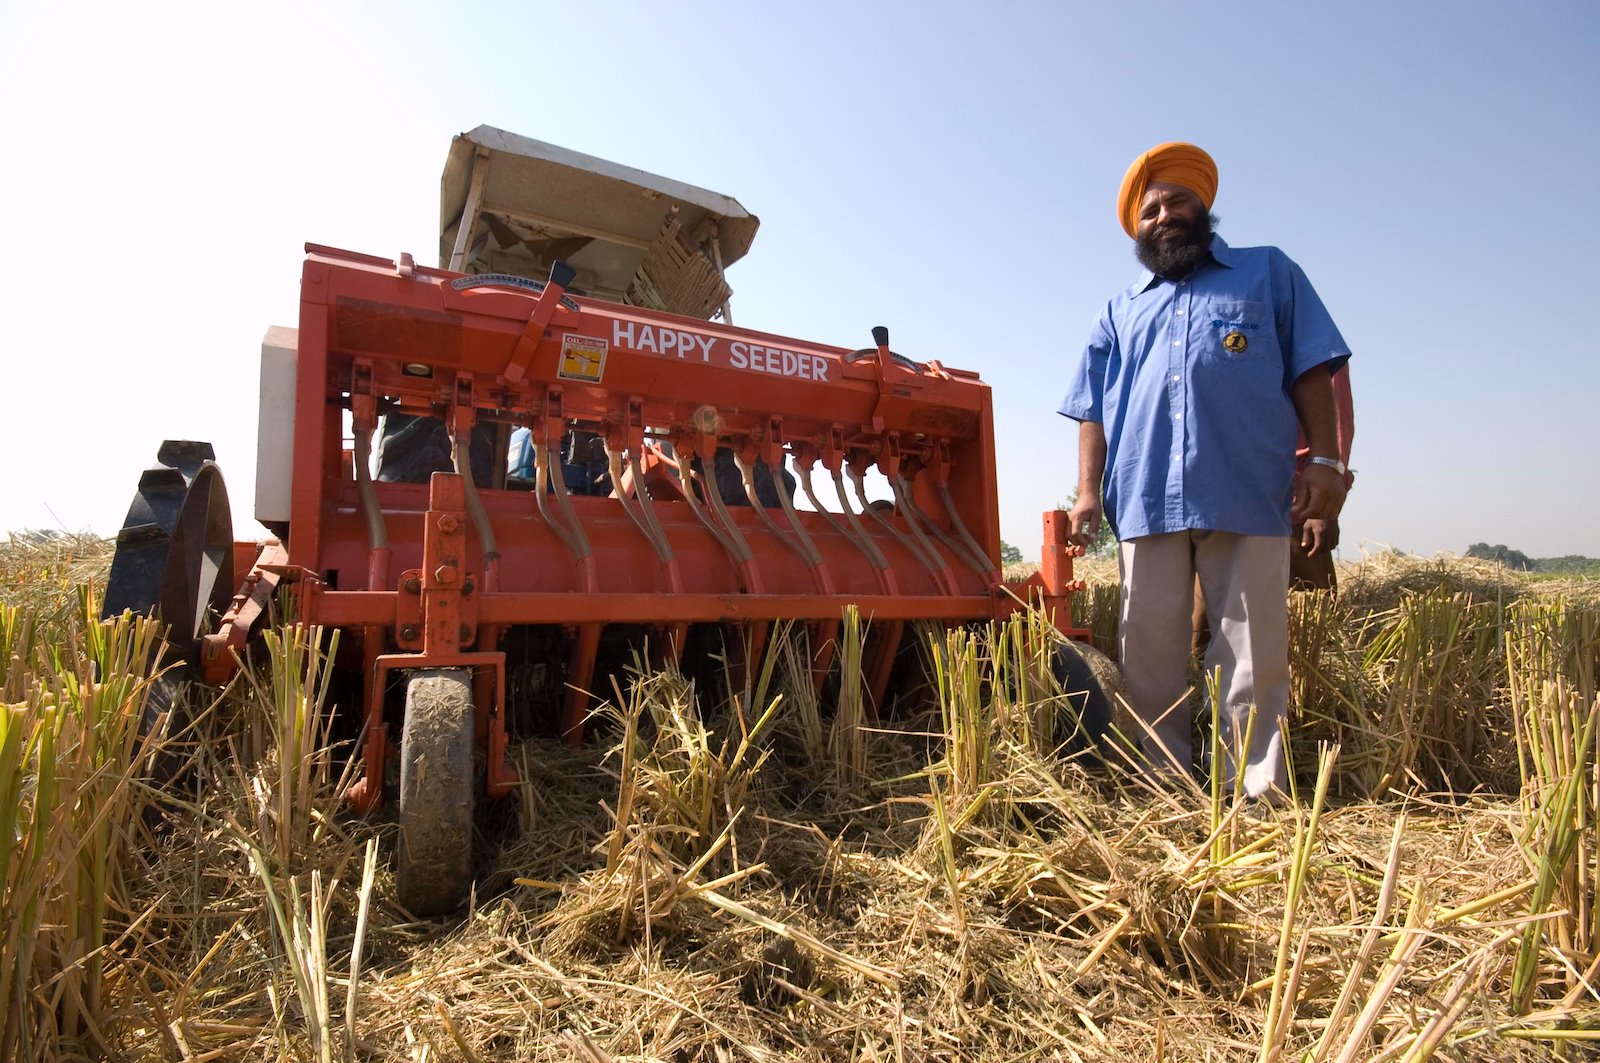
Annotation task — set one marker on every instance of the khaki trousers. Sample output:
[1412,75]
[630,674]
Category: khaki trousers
[1306,573]
[1245,581]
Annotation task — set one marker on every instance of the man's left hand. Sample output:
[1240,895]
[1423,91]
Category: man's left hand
[1319,535]
[1319,495]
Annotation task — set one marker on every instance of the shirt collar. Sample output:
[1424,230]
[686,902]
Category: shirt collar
[1220,254]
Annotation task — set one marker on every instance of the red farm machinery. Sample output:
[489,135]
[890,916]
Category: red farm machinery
[457,459]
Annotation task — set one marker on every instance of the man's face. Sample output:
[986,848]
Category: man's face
[1174,231]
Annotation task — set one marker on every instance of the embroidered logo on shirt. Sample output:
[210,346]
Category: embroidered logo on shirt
[1234,342]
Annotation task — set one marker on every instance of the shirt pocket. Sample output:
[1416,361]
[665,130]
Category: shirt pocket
[1236,331]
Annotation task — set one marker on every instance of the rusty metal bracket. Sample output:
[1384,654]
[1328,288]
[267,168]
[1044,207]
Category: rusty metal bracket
[544,311]
[219,651]
[1056,584]
[436,609]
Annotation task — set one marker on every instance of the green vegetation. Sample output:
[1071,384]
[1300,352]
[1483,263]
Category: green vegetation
[1568,565]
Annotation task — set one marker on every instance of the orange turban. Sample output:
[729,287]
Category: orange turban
[1175,162]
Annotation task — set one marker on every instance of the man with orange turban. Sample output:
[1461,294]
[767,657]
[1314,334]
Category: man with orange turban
[1189,396]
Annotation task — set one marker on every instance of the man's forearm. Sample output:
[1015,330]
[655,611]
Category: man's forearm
[1091,458]
[1312,394]
[1319,493]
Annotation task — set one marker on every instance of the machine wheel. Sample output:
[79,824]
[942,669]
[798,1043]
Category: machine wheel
[174,561]
[174,557]
[434,868]
[1092,682]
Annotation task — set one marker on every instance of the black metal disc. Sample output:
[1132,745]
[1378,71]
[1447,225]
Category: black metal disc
[1090,680]
[174,557]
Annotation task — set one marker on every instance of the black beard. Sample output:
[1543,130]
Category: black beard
[1175,259]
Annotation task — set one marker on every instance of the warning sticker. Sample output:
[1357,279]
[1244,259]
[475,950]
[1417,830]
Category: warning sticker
[582,358]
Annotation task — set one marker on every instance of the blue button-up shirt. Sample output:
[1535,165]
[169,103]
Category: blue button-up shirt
[1191,379]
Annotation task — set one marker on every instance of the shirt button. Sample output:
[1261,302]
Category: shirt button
[1180,313]
[1175,342]
[1175,378]
[1179,417]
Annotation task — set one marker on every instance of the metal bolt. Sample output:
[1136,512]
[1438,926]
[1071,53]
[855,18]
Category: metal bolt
[445,574]
[448,523]
[409,633]
[412,585]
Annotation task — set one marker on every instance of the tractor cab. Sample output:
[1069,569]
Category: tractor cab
[513,205]
[510,208]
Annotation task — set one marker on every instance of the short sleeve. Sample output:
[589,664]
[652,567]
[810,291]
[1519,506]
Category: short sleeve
[1086,385]
[1306,331]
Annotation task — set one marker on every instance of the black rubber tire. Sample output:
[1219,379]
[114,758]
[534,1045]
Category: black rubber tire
[1092,682]
[434,865]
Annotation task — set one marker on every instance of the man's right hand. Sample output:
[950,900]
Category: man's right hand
[1084,521]
[1318,495]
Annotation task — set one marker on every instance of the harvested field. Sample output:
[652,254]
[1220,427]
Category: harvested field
[747,874]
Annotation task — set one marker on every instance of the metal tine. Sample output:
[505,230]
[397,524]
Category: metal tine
[670,646]
[636,509]
[572,534]
[647,507]
[747,477]
[686,481]
[918,550]
[963,546]
[805,485]
[379,554]
[720,508]
[580,680]
[738,550]
[799,541]
[479,516]
[818,567]
[989,570]
[868,549]
[863,538]
[787,501]
[580,668]
[914,521]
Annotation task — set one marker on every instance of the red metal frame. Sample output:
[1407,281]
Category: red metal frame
[376,335]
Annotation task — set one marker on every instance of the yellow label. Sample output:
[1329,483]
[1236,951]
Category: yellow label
[582,358]
[1234,342]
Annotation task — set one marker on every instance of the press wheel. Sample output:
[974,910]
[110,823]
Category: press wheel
[174,562]
[434,867]
[1091,683]
[174,557]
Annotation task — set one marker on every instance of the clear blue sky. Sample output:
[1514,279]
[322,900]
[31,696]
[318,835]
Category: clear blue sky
[946,169]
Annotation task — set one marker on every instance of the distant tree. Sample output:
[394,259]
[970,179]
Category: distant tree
[1567,565]
[1502,553]
[1009,555]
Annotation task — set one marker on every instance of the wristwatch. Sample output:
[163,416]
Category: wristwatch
[1333,463]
